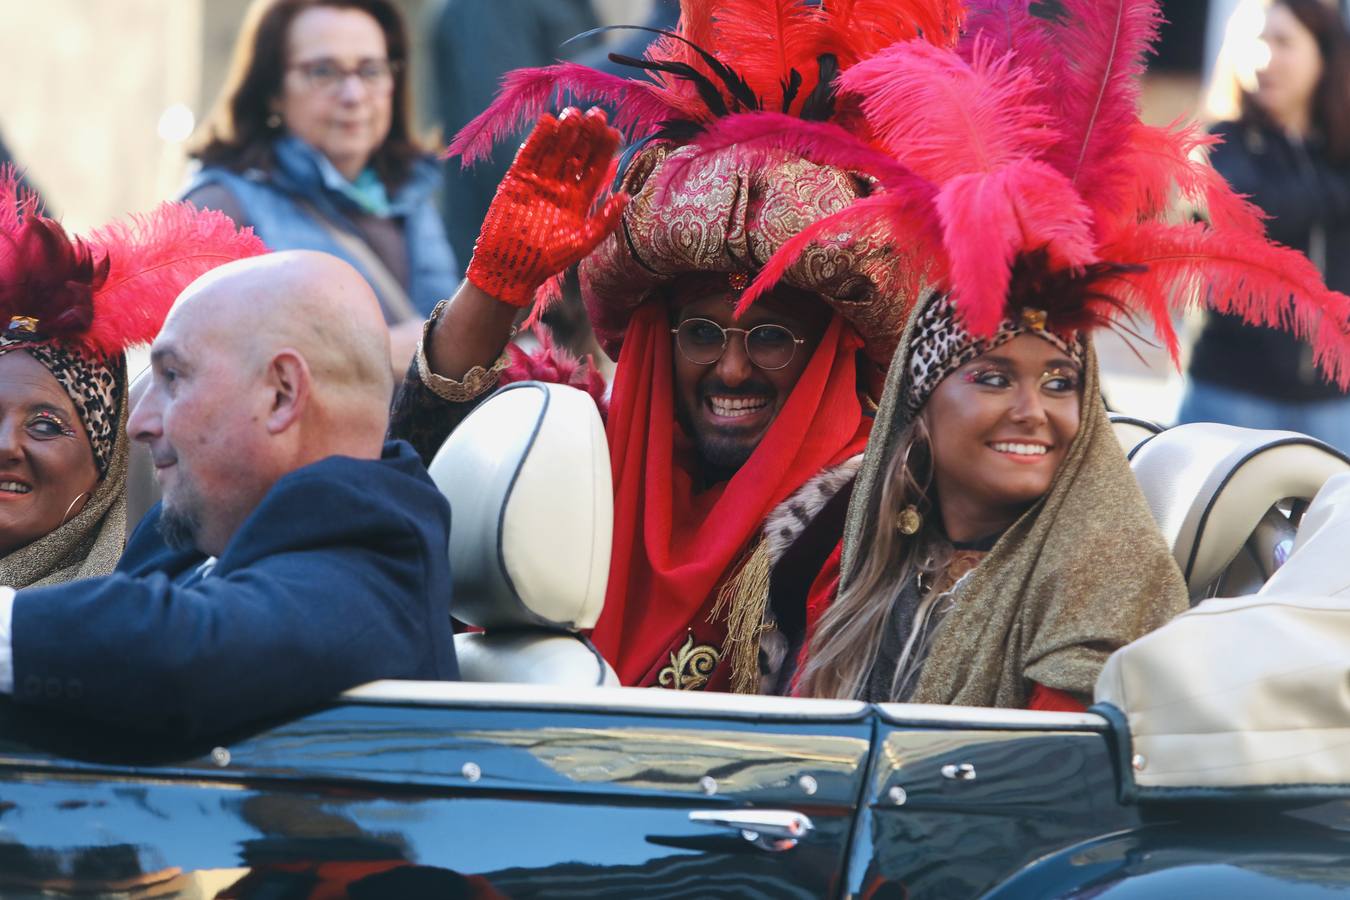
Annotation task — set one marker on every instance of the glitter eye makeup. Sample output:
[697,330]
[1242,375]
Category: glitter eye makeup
[1060,373]
[53,421]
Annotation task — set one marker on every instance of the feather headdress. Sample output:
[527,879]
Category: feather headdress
[1025,143]
[76,304]
[752,85]
[112,288]
[725,57]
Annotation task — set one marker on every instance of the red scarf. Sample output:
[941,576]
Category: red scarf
[672,546]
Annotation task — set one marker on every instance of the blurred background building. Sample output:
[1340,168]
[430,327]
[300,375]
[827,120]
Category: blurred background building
[101,96]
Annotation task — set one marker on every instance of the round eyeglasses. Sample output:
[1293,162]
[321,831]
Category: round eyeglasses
[328,75]
[703,341]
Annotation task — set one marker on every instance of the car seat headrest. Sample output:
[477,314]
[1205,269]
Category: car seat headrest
[1210,485]
[532,511]
[142,486]
[1132,431]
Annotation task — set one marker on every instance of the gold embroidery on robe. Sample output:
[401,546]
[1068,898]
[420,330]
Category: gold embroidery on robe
[690,666]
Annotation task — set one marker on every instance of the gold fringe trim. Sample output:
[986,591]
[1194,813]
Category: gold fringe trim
[743,599]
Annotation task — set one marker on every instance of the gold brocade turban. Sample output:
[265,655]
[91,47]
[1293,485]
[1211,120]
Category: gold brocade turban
[729,213]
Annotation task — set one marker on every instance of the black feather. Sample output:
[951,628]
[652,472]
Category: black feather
[736,85]
[791,85]
[707,91]
[819,105]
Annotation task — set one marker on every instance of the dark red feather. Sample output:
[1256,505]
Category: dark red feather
[1006,26]
[50,277]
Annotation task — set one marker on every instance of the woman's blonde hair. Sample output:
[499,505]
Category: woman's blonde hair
[847,639]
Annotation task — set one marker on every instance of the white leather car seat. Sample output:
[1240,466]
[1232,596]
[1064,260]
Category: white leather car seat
[531,523]
[1132,431]
[1228,500]
[142,486]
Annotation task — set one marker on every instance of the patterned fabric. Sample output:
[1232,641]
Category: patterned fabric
[941,345]
[727,217]
[93,388]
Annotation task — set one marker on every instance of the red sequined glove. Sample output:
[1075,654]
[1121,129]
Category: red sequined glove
[539,223]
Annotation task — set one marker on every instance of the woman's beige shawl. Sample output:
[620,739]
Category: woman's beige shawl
[89,544]
[1082,573]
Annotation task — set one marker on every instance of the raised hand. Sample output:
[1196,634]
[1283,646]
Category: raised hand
[540,221]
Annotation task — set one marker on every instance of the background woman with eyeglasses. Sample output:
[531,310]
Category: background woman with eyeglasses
[310,143]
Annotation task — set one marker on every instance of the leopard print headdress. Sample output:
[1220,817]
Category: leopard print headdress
[940,344]
[76,304]
[95,387]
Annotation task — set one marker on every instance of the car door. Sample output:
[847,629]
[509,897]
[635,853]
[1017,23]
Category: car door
[961,799]
[408,790]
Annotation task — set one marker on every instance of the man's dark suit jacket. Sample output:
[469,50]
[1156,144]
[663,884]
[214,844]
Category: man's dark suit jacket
[339,577]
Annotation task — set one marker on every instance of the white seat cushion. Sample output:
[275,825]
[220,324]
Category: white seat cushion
[532,658]
[532,509]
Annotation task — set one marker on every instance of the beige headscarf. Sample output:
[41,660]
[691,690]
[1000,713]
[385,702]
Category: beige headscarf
[91,543]
[1082,573]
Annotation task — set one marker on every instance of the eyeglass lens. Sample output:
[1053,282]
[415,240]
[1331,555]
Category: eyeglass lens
[326,74]
[768,346]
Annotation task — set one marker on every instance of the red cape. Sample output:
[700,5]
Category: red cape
[673,547]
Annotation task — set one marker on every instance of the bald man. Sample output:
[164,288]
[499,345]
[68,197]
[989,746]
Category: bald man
[294,554]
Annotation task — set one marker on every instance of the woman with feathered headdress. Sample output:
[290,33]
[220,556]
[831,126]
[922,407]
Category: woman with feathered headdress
[998,548]
[69,308]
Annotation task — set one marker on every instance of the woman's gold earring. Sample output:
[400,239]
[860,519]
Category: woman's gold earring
[909,521]
[274,121]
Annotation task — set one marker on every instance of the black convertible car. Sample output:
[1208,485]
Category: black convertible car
[559,786]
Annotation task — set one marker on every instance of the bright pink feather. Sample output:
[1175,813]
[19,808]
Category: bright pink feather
[1095,75]
[16,200]
[639,106]
[988,219]
[552,364]
[1165,165]
[944,117]
[152,258]
[1233,272]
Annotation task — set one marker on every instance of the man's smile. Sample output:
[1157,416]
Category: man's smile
[735,407]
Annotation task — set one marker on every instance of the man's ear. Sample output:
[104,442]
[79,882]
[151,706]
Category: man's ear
[288,383]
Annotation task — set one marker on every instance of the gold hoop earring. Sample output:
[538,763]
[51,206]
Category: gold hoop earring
[72,506]
[274,121]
